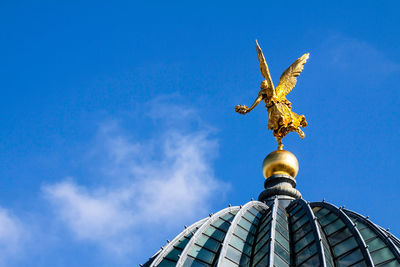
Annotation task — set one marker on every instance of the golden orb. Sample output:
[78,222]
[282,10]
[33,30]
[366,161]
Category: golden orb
[280,162]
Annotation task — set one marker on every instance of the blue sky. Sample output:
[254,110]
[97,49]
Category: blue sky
[118,123]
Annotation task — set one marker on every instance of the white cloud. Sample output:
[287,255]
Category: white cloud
[12,236]
[91,215]
[163,181]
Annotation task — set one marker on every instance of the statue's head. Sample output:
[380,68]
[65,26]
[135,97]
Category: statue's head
[264,84]
[269,91]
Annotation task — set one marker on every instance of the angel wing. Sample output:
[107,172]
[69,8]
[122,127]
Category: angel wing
[264,66]
[288,78]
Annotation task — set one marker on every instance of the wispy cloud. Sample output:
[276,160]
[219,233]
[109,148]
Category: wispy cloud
[97,215]
[159,182]
[13,235]
[358,57]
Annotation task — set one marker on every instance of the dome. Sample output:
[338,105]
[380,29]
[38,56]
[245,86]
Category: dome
[284,232]
[281,229]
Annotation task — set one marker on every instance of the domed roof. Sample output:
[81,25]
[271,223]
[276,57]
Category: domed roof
[281,229]
[282,232]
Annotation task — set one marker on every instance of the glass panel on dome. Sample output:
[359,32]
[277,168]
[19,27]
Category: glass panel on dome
[229,263]
[237,243]
[250,217]
[344,246]
[282,230]
[215,233]
[222,225]
[259,208]
[374,244]
[300,222]
[207,242]
[360,225]
[265,220]
[264,261]
[262,242]
[202,254]
[256,212]
[339,236]
[167,263]
[298,215]
[334,226]
[351,258]
[173,255]
[191,262]
[306,253]
[359,264]
[283,253]
[244,261]
[295,209]
[264,234]
[263,229]
[282,241]
[367,233]
[393,263]
[242,233]
[240,245]
[320,212]
[382,255]
[282,222]
[267,214]
[282,213]
[312,262]
[278,262]
[246,224]
[234,254]
[301,232]
[229,216]
[327,219]
[304,242]
[182,243]
[262,254]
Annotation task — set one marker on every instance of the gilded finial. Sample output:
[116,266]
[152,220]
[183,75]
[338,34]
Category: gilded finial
[280,162]
[281,119]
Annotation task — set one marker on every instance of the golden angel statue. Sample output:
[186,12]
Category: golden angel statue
[281,118]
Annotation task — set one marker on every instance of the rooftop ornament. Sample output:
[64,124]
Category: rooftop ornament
[281,228]
[280,167]
[281,119]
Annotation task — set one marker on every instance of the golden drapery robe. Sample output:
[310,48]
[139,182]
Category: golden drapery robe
[281,118]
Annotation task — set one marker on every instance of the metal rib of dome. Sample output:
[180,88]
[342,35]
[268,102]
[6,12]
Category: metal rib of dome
[282,232]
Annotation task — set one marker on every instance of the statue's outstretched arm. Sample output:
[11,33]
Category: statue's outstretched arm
[242,109]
